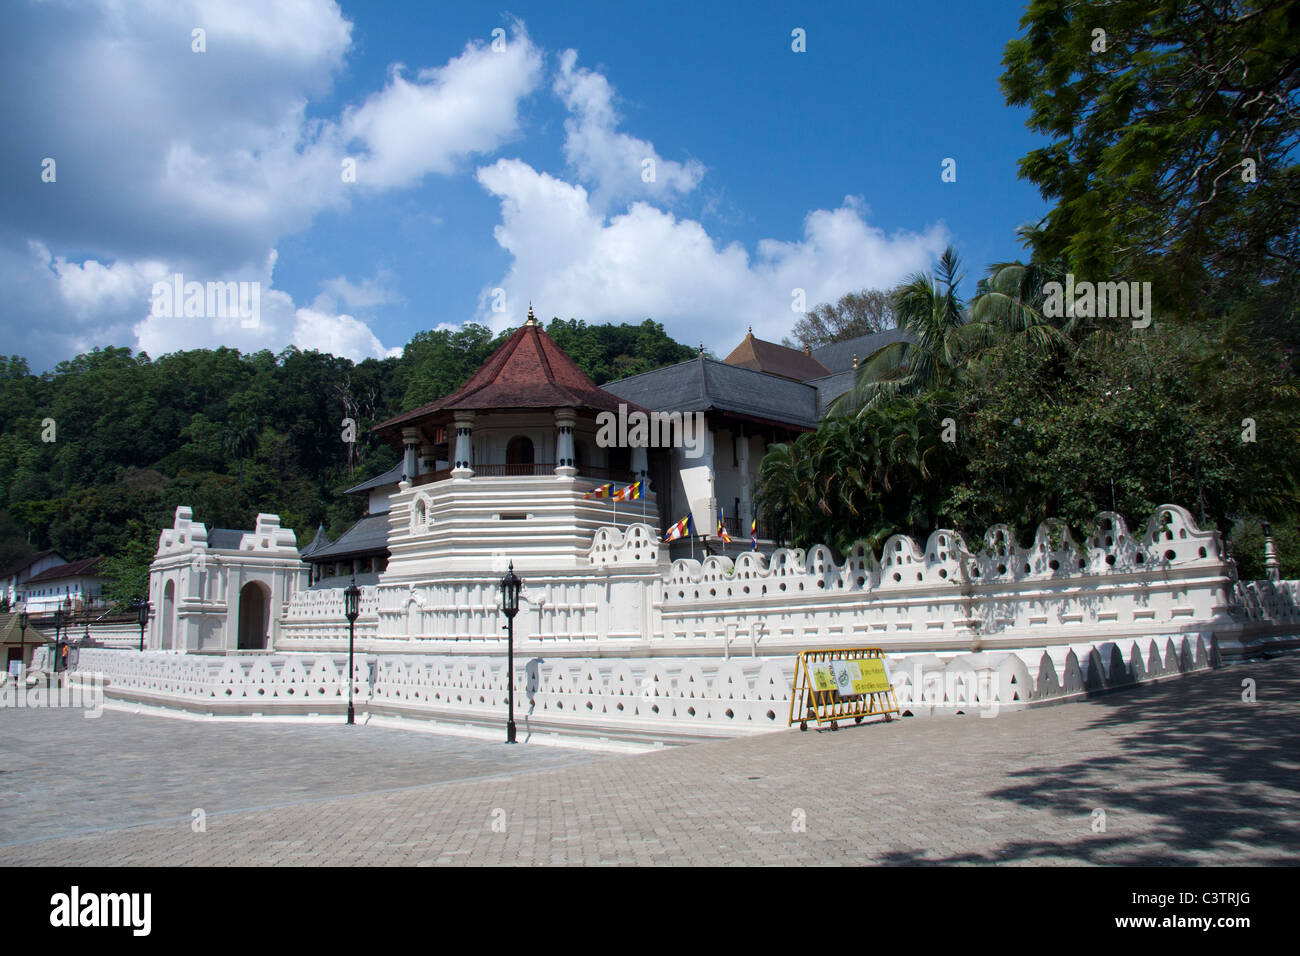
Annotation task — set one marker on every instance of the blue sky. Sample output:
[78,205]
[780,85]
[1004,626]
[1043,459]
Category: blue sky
[519,169]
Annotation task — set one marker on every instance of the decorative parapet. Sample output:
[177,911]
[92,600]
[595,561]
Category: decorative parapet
[637,546]
[943,596]
[315,604]
[649,699]
[267,535]
[185,533]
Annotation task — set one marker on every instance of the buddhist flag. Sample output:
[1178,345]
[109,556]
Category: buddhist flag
[630,493]
[680,530]
[753,534]
[722,528]
[602,492]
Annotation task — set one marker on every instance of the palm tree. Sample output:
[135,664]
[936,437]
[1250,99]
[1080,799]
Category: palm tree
[931,311]
[240,439]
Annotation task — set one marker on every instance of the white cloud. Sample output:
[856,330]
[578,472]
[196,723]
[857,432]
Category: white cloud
[201,163]
[615,164]
[469,106]
[363,295]
[572,261]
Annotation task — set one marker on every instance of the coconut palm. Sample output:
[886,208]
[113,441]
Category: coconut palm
[930,309]
[240,438]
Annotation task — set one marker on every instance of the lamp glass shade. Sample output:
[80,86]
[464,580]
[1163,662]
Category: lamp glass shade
[352,601]
[510,585]
[142,613]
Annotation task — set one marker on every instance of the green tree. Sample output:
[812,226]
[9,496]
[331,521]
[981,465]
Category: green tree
[1172,159]
[931,309]
[853,315]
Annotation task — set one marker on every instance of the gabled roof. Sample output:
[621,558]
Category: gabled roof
[320,541]
[60,572]
[529,371]
[763,356]
[18,567]
[367,536]
[703,384]
[391,477]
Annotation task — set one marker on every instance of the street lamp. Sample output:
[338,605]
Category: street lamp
[54,664]
[142,618]
[510,585]
[351,608]
[22,640]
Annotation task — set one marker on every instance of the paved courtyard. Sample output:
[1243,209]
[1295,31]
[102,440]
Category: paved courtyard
[1181,772]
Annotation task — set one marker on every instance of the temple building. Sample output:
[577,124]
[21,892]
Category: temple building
[530,411]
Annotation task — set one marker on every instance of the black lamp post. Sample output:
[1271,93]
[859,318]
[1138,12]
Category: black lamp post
[351,608]
[54,664]
[510,585]
[142,618]
[22,639]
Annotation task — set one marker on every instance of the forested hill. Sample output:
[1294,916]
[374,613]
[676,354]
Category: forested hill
[95,455]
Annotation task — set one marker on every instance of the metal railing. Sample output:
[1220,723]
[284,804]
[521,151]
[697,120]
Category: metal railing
[529,470]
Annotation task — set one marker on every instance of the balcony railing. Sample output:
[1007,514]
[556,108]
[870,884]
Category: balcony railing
[536,468]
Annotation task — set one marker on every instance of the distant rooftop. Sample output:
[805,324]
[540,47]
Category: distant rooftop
[760,355]
[703,384]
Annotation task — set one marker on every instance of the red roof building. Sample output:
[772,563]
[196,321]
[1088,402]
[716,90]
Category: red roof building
[529,410]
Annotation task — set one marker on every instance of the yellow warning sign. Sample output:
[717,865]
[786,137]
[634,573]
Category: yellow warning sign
[834,684]
[872,678]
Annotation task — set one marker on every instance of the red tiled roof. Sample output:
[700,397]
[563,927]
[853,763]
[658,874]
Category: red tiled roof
[60,572]
[763,356]
[528,371]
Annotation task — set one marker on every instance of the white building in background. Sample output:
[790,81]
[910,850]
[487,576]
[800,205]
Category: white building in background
[74,585]
[222,590]
[21,571]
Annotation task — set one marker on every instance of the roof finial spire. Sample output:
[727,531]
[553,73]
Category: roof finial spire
[532,319]
[807,350]
[751,330]
[701,348]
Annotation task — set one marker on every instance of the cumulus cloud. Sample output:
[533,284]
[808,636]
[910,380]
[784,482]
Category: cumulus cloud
[173,160]
[469,106]
[571,260]
[617,165]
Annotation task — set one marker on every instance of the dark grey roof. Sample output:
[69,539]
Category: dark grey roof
[838,356]
[319,541]
[391,477]
[831,387]
[343,580]
[703,384]
[367,536]
[227,539]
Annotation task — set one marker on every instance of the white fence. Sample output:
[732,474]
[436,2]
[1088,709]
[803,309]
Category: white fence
[653,699]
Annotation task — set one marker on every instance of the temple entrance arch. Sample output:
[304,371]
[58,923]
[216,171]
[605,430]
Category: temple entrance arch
[254,616]
[168,616]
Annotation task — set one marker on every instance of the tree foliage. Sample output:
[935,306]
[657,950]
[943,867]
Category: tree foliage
[852,315]
[229,434]
[1173,129]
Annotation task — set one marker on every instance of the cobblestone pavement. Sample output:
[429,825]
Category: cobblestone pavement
[1184,772]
